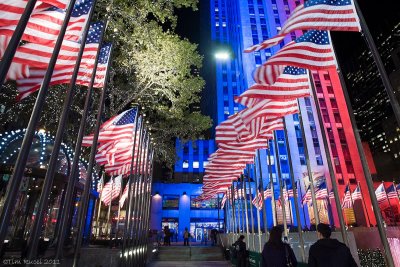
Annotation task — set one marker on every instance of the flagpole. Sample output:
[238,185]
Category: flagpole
[243,211]
[118,214]
[51,170]
[78,146]
[239,208]
[109,206]
[296,200]
[257,209]
[390,205]
[307,156]
[364,164]
[262,193]
[128,259]
[245,206]
[366,34]
[130,182]
[99,205]
[142,227]
[251,207]
[148,200]
[14,41]
[93,150]
[135,217]
[278,166]
[329,161]
[233,209]
[301,198]
[289,204]
[271,184]
[19,167]
[364,205]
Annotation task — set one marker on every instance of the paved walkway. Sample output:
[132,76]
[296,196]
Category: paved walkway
[189,264]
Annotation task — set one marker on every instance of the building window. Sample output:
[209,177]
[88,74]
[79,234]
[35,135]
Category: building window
[349,167]
[319,160]
[334,103]
[206,204]
[330,89]
[337,117]
[170,202]
[326,77]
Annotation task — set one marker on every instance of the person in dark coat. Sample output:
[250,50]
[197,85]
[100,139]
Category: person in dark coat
[276,253]
[241,252]
[328,252]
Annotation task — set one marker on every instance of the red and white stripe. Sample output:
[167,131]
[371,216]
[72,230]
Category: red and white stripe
[347,204]
[38,55]
[304,55]
[268,74]
[28,86]
[44,25]
[111,190]
[292,88]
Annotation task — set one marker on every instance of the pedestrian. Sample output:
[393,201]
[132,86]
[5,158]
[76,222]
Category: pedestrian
[186,236]
[205,237]
[241,253]
[276,252]
[176,235]
[159,237]
[328,252]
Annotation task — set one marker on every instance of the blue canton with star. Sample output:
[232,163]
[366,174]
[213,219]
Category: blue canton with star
[94,33]
[104,53]
[294,70]
[309,3]
[127,117]
[314,36]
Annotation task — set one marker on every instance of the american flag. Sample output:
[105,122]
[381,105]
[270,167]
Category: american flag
[223,201]
[111,190]
[333,15]
[124,195]
[31,84]
[268,192]
[45,23]
[269,109]
[391,192]
[347,204]
[287,193]
[398,189]
[356,193]
[257,201]
[312,50]
[307,197]
[331,194]
[321,192]
[293,83]
[380,193]
[118,127]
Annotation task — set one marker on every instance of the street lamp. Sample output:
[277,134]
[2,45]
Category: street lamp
[222,55]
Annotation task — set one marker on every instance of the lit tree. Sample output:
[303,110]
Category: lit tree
[152,67]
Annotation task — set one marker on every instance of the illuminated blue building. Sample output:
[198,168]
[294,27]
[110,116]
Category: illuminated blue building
[238,24]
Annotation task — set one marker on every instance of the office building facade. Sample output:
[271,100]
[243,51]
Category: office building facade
[243,23]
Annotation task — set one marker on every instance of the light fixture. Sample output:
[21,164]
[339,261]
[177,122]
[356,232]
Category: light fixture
[222,55]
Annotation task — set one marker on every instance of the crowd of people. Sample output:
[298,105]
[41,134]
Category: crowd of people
[326,252]
[167,235]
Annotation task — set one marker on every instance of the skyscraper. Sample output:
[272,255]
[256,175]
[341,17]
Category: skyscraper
[239,24]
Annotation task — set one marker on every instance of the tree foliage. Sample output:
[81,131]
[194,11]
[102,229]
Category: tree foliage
[152,67]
